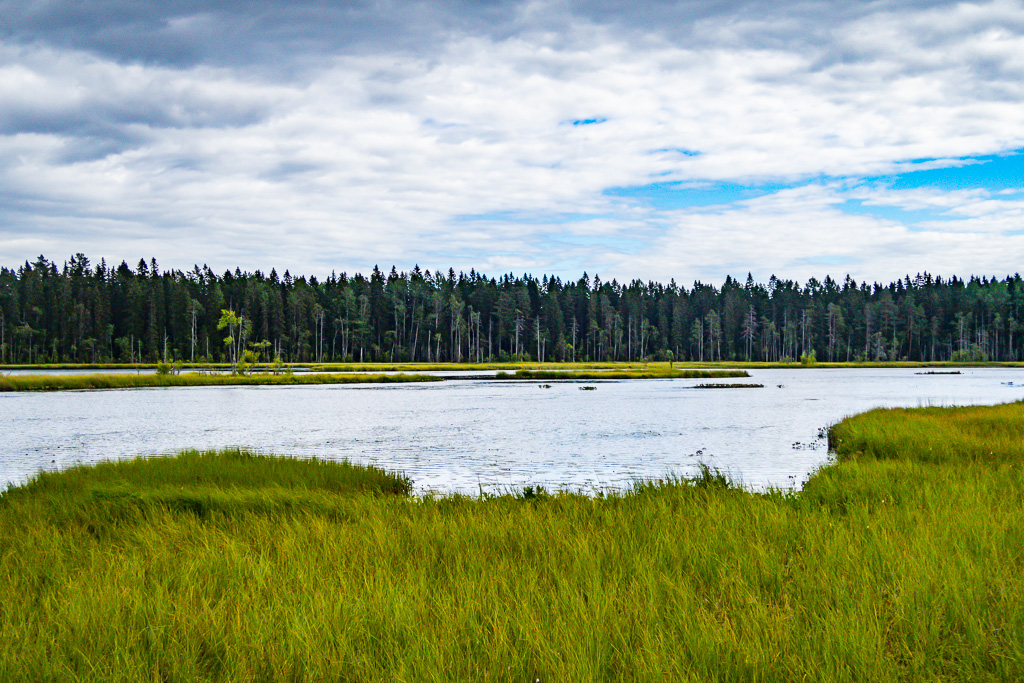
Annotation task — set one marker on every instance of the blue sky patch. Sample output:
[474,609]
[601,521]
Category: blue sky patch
[992,172]
[1002,174]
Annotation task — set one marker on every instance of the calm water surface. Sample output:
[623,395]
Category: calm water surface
[464,435]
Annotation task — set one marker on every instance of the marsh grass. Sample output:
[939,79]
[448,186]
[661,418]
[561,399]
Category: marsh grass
[100,381]
[112,366]
[990,434]
[413,367]
[901,561]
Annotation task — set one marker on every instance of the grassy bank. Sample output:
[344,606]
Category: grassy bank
[901,561]
[100,381]
[654,373]
[513,366]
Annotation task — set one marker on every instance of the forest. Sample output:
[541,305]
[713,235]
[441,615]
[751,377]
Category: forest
[80,312]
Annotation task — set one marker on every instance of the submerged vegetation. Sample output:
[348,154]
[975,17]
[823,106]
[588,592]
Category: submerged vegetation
[100,381]
[898,562]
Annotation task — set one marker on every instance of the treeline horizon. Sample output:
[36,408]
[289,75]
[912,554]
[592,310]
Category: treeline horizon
[85,313]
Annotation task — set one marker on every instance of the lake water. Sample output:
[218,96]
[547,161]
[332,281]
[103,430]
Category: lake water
[468,435]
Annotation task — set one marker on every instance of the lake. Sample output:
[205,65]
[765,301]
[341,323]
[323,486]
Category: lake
[473,435]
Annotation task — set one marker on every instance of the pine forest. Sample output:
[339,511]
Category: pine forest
[80,312]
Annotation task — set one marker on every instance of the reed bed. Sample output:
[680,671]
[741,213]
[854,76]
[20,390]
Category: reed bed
[101,381]
[901,561]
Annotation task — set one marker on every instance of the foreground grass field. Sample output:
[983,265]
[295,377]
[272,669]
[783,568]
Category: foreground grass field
[902,561]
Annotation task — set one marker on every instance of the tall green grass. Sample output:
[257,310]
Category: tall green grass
[935,435]
[892,564]
[100,381]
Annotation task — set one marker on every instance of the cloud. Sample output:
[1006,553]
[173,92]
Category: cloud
[804,232]
[319,136]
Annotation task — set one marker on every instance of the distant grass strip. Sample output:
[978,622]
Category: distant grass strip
[100,381]
[899,562]
[114,366]
[721,385]
[796,365]
[665,373]
[419,366]
[507,366]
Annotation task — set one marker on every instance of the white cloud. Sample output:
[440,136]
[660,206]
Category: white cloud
[803,232]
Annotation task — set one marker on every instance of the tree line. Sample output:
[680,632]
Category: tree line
[89,313]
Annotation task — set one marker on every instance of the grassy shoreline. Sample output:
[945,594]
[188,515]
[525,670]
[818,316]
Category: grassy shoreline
[129,381]
[98,381]
[513,366]
[900,561]
[661,373]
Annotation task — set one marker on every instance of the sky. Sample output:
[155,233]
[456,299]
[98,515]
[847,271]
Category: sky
[654,140]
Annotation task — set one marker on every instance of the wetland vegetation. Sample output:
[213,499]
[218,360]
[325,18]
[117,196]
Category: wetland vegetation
[165,376]
[899,561]
[637,373]
[129,381]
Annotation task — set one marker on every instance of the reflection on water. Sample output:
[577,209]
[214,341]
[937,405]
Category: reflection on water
[489,435]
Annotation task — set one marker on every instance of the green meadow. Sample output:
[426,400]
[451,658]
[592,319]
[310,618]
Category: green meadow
[900,561]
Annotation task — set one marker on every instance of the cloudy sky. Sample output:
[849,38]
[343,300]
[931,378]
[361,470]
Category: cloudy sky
[684,140]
